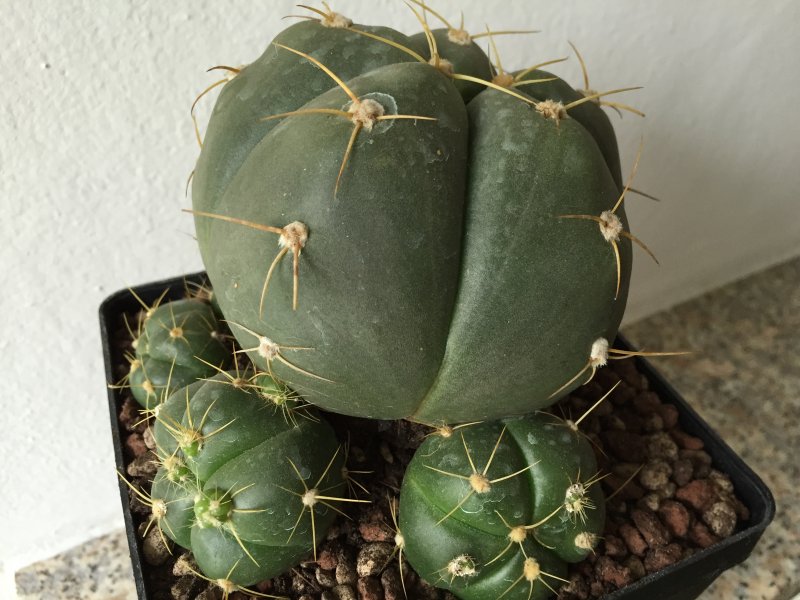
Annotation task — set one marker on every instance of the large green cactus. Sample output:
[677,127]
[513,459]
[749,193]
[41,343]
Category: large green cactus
[496,510]
[249,491]
[395,252]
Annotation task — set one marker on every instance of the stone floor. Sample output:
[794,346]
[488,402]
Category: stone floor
[743,378]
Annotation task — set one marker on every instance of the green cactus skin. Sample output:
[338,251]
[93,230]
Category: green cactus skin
[181,342]
[229,487]
[451,247]
[468,496]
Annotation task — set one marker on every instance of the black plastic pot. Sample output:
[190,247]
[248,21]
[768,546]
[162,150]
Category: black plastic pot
[684,580]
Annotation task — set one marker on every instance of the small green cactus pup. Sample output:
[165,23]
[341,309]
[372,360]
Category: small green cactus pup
[248,491]
[382,217]
[496,510]
[180,342]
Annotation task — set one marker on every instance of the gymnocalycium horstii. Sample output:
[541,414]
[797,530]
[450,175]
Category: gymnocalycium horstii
[398,227]
[247,489]
[383,217]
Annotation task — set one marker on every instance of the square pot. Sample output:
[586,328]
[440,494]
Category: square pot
[684,580]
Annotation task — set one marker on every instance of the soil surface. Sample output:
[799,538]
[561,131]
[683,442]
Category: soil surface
[666,500]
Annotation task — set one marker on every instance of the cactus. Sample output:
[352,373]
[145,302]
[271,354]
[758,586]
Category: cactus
[383,217]
[179,342]
[247,490]
[495,510]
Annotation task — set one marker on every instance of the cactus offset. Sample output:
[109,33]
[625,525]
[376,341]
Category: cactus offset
[247,490]
[179,342]
[495,510]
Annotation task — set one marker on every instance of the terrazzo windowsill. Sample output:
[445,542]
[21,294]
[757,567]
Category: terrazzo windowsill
[743,378]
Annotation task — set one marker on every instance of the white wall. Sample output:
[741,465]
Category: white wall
[96,144]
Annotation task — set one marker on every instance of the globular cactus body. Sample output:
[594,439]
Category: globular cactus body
[437,250]
[247,490]
[180,342]
[496,510]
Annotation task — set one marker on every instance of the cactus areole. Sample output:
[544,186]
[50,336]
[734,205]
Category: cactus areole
[394,243]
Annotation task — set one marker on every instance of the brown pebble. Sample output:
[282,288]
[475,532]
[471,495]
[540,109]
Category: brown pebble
[721,481]
[372,558]
[633,539]
[655,474]
[135,444]
[661,445]
[625,445]
[652,423]
[391,583]
[129,415]
[154,549]
[615,547]
[325,577]
[699,534]
[375,531]
[649,501]
[669,415]
[327,560]
[686,441]
[636,567]
[611,572]
[676,517]
[699,494]
[659,558]
[346,572]
[628,372]
[646,403]
[144,465]
[186,587]
[720,518]
[344,592]
[149,439]
[653,532]
[623,395]
[369,588]
[184,565]
[682,471]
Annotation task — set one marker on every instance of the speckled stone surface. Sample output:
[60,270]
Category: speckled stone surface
[99,569]
[743,378]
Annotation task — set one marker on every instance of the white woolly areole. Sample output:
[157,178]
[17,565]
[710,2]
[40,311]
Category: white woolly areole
[159,509]
[462,565]
[267,348]
[399,540]
[336,20]
[505,80]
[366,112]
[610,226]
[550,109]
[518,534]
[310,497]
[598,356]
[227,586]
[480,483]
[444,65]
[531,569]
[293,235]
[459,36]
[586,540]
